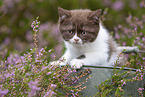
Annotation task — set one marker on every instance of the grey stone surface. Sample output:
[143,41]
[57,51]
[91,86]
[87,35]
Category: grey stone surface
[99,75]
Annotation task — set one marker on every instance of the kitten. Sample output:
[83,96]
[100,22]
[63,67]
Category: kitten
[87,42]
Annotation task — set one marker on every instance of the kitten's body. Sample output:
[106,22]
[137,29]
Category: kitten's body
[87,41]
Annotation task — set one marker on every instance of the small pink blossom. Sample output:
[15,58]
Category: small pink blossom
[50,50]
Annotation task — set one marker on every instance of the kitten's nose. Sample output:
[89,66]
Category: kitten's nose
[76,40]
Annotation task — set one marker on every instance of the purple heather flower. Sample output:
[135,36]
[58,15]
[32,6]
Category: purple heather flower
[143,39]
[140,89]
[38,61]
[7,75]
[124,43]
[124,83]
[36,26]
[142,4]
[118,5]
[41,49]
[32,93]
[49,93]
[61,59]
[50,50]
[48,73]
[44,67]
[135,29]
[74,70]
[89,72]
[32,26]
[7,41]
[33,85]
[142,44]
[138,38]
[3,92]
[53,85]
[71,90]
[117,36]
[119,26]
[36,30]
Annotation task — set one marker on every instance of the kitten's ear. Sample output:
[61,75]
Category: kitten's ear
[63,13]
[95,15]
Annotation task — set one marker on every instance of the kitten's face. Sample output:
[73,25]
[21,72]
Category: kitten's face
[79,26]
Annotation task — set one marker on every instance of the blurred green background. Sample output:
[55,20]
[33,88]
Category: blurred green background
[16,17]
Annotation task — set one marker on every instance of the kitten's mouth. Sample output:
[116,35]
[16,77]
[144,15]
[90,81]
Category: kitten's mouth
[76,43]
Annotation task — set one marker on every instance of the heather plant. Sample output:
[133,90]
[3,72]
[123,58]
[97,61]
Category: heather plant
[115,84]
[132,35]
[30,75]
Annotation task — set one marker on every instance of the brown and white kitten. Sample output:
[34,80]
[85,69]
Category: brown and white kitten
[87,42]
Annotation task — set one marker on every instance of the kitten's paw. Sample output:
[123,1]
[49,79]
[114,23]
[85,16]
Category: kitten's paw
[76,63]
[59,63]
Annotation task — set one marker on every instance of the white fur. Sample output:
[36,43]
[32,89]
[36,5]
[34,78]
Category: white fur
[96,53]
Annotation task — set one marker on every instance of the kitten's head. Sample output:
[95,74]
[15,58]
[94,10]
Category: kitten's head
[79,26]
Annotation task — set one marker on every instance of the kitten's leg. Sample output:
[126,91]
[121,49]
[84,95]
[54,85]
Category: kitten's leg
[94,58]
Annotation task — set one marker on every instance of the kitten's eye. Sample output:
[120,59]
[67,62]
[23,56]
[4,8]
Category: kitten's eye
[70,31]
[84,33]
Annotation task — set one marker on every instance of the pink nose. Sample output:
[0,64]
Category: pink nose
[76,40]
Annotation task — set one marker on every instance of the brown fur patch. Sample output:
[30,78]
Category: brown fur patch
[79,21]
[112,47]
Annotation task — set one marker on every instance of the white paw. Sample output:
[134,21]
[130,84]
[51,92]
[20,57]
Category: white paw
[76,63]
[60,63]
